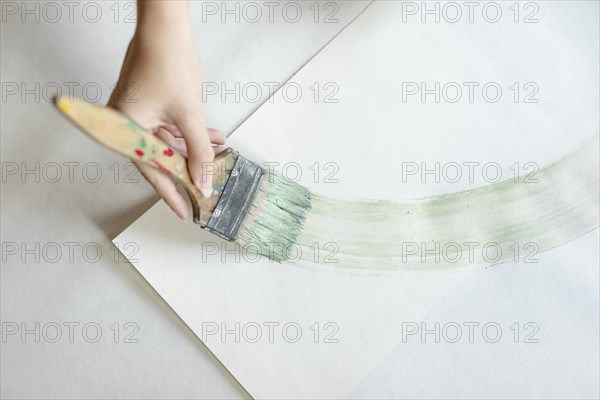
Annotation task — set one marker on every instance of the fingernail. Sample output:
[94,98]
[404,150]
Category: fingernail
[206,192]
[205,186]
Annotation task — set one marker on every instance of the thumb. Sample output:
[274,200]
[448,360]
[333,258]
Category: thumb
[200,152]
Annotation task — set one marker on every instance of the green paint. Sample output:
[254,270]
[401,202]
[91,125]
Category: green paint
[276,217]
[131,124]
[510,219]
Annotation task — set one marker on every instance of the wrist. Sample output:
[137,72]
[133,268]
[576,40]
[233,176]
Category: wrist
[164,19]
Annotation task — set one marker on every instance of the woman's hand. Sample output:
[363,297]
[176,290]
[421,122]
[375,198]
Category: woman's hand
[160,87]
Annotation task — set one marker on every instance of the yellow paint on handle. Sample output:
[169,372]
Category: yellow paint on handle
[63,105]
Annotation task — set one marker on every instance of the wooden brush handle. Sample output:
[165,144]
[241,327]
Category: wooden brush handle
[123,135]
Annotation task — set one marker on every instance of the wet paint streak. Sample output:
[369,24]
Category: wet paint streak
[490,224]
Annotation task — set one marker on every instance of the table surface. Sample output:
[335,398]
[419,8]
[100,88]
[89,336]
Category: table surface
[78,321]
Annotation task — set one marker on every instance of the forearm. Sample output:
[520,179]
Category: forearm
[163,17]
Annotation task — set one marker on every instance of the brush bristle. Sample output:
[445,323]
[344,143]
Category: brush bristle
[275,218]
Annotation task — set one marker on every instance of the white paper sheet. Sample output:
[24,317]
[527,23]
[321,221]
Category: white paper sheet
[366,135]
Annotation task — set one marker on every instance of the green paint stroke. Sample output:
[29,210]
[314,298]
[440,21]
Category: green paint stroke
[275,218]
[491,224]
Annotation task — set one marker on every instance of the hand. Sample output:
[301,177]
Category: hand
[160,87]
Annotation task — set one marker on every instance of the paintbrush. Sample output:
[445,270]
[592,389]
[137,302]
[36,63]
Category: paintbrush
[263,211]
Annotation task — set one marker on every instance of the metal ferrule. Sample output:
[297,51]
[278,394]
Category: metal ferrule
[237,197]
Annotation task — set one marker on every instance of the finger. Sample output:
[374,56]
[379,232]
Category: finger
[217,139]
[200,152]
[172,129]
[218,149]
[166,189]
[216,136]
[174,142]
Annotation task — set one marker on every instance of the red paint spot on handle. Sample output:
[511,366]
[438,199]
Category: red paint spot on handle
[168,152]
[161,167]
[139,152]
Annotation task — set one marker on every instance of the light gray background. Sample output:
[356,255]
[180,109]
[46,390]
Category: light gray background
[45,49]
